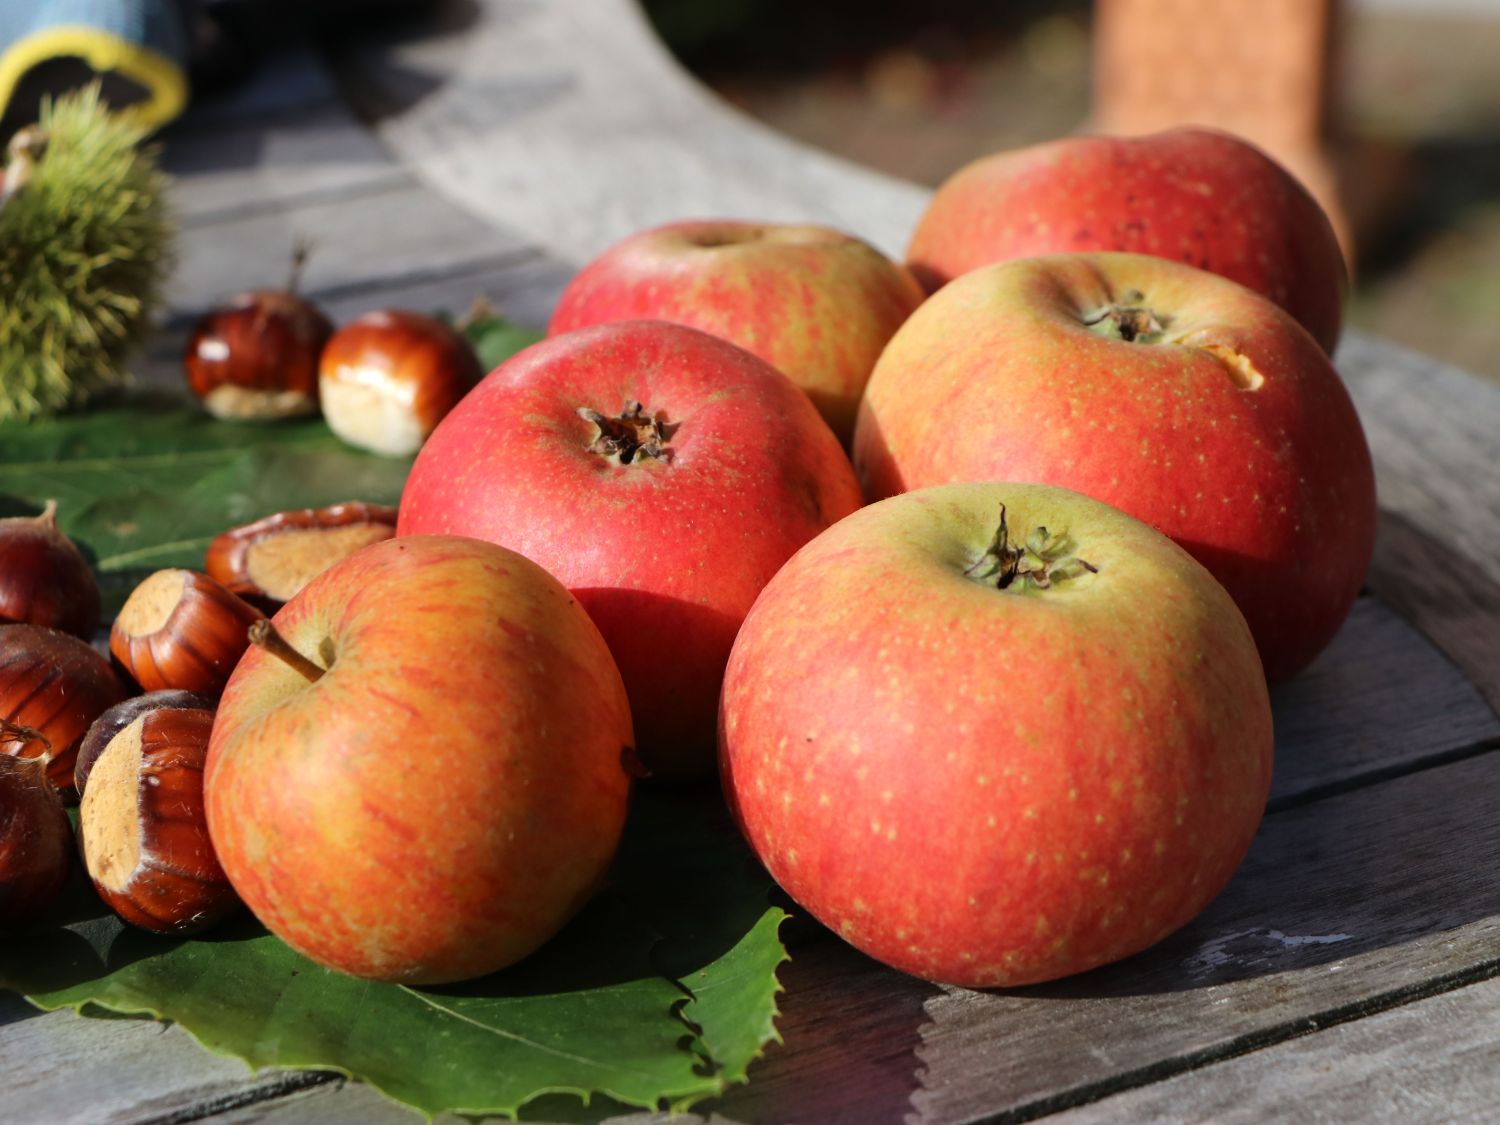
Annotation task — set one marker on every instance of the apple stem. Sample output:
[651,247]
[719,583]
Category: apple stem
[1127,319]
[264,635]
[1043,559]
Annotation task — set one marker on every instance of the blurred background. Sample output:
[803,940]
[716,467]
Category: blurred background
[1406,120]
[1388,109]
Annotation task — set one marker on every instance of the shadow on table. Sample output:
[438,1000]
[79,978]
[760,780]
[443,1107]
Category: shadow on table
[1381,867]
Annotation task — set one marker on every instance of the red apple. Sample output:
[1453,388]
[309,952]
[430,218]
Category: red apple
[665,518]
[425,779]
[993,756]
[1184,399]
[1196,195]
[817,304]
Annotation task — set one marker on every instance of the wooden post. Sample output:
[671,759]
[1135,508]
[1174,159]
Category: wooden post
[1258,68]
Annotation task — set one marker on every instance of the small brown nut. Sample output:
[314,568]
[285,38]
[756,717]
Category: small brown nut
[44,579]
[56,685]
[181,629]
[142,828]
[257,358]
[36,841]
[120,716]
[275,557]
[389,377]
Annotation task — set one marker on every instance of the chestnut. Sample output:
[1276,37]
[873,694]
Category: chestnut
[44,579]
[56,685]
[36,841]
[389,377]
[257,357]
[181,629]
[142,827]
[120,716]
[275,557]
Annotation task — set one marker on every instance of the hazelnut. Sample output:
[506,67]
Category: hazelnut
[44,579]
[181,629]
[56,685]
[388,378]
[142,828]
[36,841]
[257,357]
[120,716]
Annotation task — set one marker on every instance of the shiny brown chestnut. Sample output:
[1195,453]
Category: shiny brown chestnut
[142,828]
[181,629]
[120,716]
[44,578]
[56,685]
[36,841]
[275,557]
[257,357]
[389,377]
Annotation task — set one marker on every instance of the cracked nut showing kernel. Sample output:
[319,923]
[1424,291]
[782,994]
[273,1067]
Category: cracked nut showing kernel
[275,557]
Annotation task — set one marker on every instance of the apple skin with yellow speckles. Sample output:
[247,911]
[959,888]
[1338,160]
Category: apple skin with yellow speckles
[990,785]
[1182,398]
[667,527]
[815,303]
[449,791]
[1194,195]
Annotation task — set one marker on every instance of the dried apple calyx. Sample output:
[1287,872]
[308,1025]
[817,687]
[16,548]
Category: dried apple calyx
[276,556]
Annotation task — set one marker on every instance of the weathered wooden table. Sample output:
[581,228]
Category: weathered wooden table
[1350,970]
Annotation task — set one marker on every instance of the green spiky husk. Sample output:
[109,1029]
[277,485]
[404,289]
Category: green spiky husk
[85,246]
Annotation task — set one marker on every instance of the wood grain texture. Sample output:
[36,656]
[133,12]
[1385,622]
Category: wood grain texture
[1380,699]
[267,162]
[1340,903]
[1433,1060]
[370,241]
[62,1069]
[570,121]
[1433,432]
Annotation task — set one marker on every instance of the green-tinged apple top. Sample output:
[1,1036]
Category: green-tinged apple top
[1040,561]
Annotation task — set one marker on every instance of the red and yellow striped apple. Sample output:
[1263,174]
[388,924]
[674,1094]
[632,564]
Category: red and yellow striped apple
[427,781]
[1180,397]
[815,303]
[992,755]
[1194,195]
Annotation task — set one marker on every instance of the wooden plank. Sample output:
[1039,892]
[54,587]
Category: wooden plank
[1433,1060]
[1355,901]
[523,290]
[61,1069]
[370,241]
[1380,699]
[1341,902]
[1351,901]
[268,162]
[1433,430]
[573,123]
